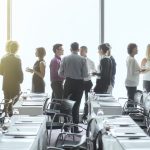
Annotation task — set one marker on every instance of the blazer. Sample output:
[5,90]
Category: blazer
[11,70]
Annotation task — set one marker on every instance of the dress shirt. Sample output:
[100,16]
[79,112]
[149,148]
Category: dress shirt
[90,67]
[54,66]
[133,71]
[73,66]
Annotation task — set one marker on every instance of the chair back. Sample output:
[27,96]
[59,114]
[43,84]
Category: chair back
[67,106]
[45,105]
[138,97]
[147,104]
[91,134]
[54,148]
[2,118]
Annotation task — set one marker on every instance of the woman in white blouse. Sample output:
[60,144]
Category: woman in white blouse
[145,64]
[133,71]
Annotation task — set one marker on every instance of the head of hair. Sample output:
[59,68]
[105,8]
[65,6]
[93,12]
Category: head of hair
[84,48]
[74,46]
[130,48]
[104,47]
[40,52]
[56,46]
[12,46]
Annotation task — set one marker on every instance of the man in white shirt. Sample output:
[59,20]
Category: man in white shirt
[87,83]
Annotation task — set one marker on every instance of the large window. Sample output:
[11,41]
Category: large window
[126,21]
[3,25]
[3,32]
[46,22]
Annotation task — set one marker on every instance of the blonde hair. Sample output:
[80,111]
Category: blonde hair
[148,52]
[12,46]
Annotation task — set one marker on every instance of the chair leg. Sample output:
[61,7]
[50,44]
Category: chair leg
[50,133]
[50,137]
[47,137]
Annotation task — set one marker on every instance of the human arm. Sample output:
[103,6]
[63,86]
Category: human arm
[113,65]
[133,67]
[54,67]
[42,70]
[84,68]
[1,67]
[61,68]
[20,72]
[143,62]
[101,68]
[144,68]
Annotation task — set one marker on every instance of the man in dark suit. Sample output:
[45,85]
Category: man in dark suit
[11,70]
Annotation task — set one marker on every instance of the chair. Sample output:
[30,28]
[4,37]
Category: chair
[2,114]
[91,134]
[138,96]
[72,141]
[54,148]
[136,110]
[57,117]
[94,134]
[146,103]
[51,107]
[134,106]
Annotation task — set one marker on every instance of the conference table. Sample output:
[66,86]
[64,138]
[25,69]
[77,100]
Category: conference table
[30,104]
[123,134]
[105,102]
[25,133]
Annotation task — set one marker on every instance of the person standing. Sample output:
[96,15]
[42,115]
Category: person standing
[11,70]
[145,64]
[112,83]
[87,83]
[104,70]
[133,71]
[73,67]
[56,80]
[38,84]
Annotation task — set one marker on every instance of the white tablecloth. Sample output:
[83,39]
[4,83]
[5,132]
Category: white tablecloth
[31,105]
[105,102]
[25,133]
[109,108]
[124,134]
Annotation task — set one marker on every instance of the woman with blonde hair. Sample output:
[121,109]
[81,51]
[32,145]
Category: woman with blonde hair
[11,70]
[145,64]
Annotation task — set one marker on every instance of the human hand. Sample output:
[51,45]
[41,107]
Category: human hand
[29,70]
[94,73]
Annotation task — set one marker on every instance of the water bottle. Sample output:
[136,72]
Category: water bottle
[24,95]
[100,112]
[15,112]
[100,115]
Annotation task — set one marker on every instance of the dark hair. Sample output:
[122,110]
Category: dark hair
[104,47]
[74,46]
[130,47]
[56,46]
[41,51]
[84,48]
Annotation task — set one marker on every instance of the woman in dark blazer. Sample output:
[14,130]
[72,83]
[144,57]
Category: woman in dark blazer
[104,70]
[11,70]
